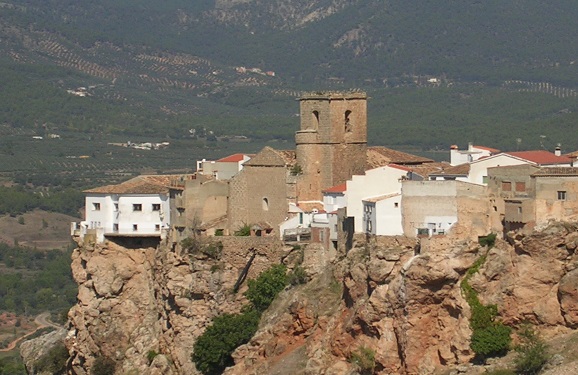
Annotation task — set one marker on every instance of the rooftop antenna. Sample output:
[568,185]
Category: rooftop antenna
[542,138]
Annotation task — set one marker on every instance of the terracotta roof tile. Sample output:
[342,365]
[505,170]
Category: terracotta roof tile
[455,170]
[492,150]
[541,157]
[146,184]
[378,156]
[309,206]
[337,188]
[235,158]
[556,171]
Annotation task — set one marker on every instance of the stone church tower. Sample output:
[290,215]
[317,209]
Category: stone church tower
[331,144]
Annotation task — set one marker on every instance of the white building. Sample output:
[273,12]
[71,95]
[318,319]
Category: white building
[225,168]
[382,215]
[364,191]
[476,172]
[473,153]
[136,208]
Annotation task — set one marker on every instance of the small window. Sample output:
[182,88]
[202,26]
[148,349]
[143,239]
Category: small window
[137,207]
[506,186]
[561,195]
[519,210]
[116,206]
[265,204]
[157,227]
[485,180]
[347,121]
[96,206]
[156,206]
[135,227]
[396,205]
[115,227]
[520,186]
[300,217]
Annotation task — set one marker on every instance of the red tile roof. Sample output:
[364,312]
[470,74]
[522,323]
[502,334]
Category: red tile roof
[146,184]
[540,157]
[337,188]
[492,150]
[235,158]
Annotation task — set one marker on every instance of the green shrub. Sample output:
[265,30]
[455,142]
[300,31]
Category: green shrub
[488,240]
[151,355]
[491,341]
[263,290]
[212,350]
[103,366]
[219,232]
[364,358]
[532,351]
[244,231]
[489,338]
[53,362]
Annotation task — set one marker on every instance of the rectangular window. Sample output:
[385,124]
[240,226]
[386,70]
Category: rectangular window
[506,186]
[135,227]
[300,217]
[520,186]
[116,206]
[137,207]
[156,206]
[519,210]
[485,180]
[396,205]
[115,227]
[96,206]
[157,227]
[561,195]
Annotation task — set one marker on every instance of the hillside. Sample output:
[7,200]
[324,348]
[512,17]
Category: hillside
[489,72]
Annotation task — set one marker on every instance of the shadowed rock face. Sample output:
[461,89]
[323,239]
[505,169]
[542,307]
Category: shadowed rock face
[407,309]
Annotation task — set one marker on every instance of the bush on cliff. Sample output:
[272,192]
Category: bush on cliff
[490,338]
[263,290]
[213,349]
[532,351]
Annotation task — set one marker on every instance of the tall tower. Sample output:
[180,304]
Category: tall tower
[332,141]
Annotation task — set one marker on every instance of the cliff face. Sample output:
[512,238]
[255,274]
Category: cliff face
[389,296]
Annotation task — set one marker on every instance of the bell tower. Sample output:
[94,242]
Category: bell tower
[331,143]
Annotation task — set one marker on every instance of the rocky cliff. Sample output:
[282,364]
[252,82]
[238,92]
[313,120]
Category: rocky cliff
[390,304]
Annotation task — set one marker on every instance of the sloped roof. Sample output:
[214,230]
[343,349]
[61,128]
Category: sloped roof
[309,206]
[380,197]
[146,184]
[453,170]
[492,150]
[572,155]
[556,171]
[379,156]
[270,157]
[235,158]
[341,188]
[541,157]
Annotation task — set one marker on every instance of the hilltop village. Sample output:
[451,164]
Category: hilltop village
[332,186]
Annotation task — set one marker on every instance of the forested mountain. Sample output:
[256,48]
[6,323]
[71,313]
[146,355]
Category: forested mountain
[175,65]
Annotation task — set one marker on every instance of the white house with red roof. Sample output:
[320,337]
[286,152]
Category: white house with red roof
[473,153]
[374,200]
[478,172]
[138,207]
[225,168]
[334,198]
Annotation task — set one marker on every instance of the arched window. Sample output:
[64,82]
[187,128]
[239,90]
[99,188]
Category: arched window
[265,204]
[347,121]
[315,120]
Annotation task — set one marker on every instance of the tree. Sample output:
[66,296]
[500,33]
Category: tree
[263,290]
[212,350]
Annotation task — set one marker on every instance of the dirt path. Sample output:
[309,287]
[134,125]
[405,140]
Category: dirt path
[42,321]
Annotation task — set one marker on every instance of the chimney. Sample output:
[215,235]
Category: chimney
[557,151]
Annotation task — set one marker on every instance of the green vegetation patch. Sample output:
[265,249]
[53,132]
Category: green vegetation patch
[490,337]
[212,350]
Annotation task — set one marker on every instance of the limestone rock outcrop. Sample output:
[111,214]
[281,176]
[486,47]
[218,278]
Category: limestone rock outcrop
[391,301]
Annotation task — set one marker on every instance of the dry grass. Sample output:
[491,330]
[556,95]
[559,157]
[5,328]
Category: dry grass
[41,229]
